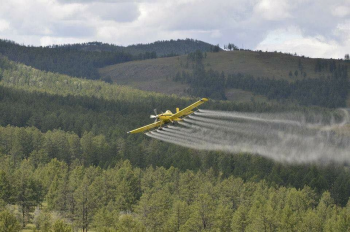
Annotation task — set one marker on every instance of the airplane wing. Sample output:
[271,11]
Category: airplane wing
[188,109]
[147,127]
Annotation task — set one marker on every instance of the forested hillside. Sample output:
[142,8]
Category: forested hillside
[281,77]
[126,198]
[331,91]
[67,162]
[68,59]
[83,60]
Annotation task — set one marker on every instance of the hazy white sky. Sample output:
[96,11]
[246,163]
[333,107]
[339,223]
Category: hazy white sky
[315,28]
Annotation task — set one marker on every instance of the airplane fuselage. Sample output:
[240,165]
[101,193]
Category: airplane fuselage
[165,117]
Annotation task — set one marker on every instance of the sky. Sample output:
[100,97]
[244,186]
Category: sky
[313,28]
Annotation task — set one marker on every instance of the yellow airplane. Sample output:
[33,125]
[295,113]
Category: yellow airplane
[168,116]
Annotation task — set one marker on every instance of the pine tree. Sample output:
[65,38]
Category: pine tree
[8,222]
[240,219]
[61,226]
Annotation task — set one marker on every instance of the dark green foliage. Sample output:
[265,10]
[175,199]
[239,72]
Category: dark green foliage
[83,60]
[347,57]
[215,48]
[6,190]
[29,190]
[202,83]
[8,222]
[323,65]
[164,48]
[232,46]
[296,73]
[60,226]
[72,60]
[123,197]
[196,57]
[62,59]
[169,48]
[327,92]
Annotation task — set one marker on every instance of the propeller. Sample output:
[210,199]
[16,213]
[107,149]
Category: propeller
[155,116]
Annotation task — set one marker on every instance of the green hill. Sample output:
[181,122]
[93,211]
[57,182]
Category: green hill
[158,74]
[82,60]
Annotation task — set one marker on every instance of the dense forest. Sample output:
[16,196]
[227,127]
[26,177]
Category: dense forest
[83,60]
[331,91]
[68,60]
[327,91]
[127,198]
[66,163]
[202,82]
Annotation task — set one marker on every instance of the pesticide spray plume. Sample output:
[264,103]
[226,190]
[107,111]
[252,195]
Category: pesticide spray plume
[179,137]
[170,139]
[292,137]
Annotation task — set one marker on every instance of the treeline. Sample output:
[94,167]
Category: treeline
[163,48]
[209,83]
[325,65]
[67,59]
[123,197]
[331,91]
[83,60]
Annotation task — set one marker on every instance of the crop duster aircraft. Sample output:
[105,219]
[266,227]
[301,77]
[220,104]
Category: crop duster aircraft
[169,117]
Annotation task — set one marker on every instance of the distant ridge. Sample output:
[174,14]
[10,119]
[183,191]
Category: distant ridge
[161,48]
[82,60]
